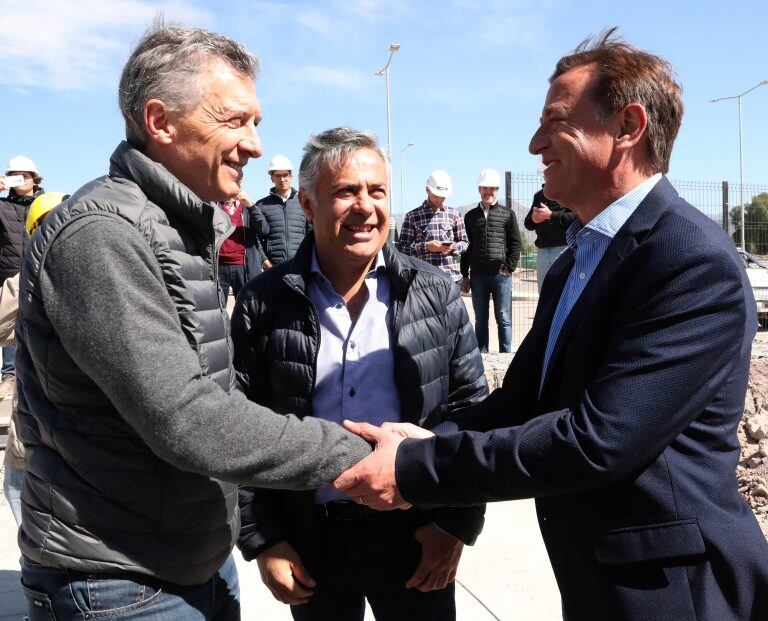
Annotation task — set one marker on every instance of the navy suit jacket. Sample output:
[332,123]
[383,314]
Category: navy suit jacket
[631,448]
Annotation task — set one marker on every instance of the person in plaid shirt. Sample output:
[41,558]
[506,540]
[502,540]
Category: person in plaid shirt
[433,232]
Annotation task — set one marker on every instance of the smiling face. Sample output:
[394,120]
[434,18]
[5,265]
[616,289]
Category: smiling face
[488,195]
[575,146]
[350,212]
[211,143]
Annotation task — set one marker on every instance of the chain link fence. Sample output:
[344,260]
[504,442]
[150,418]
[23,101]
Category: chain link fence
[720,201]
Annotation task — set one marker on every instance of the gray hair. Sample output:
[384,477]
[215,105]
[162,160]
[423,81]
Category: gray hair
[167,64]
[331,149]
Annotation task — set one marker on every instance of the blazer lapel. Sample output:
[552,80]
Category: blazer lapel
[626,240]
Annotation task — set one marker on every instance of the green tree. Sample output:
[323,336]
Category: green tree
[755,224]
[528,246]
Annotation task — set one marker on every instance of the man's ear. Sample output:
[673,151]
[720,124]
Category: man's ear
[158,122]
[306,204]
[633,122]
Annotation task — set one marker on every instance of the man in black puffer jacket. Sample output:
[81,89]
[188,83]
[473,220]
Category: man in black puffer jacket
[285,218]
[352,328]
[13,234]
[490,259]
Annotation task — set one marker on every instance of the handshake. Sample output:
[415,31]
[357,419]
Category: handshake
[372,480]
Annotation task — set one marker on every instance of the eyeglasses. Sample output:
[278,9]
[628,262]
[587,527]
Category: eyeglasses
[281,175]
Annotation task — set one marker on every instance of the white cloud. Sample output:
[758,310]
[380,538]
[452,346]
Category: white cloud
[317,21]
[505,23]
[343,79]
[372,10]
[75,45]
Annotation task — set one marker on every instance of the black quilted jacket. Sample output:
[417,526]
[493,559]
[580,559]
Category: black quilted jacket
[439,372]
[494,242]
[13,232]
[287,227]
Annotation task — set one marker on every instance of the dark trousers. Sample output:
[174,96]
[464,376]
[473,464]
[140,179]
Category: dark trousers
[231,276]
[61,594]
[9,360]
[372,558]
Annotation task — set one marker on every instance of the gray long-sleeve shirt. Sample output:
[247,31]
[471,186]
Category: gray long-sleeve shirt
[104,294]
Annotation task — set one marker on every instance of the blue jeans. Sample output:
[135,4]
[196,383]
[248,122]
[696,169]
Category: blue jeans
[9,363]
[66,594]
[14,478]
[231,276]
[482,288]
[545,257]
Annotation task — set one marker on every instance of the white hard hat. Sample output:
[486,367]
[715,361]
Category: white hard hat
[280,162]
[489,178]
[21,164]
[439,183]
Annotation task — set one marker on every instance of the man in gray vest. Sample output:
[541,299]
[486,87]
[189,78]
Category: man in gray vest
[135,434]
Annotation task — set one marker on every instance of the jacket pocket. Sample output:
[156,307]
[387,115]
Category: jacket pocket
[650,542]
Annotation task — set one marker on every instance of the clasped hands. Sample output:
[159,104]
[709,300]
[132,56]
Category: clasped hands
[371,481]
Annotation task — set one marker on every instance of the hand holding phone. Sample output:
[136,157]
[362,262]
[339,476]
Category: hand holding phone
[12,181]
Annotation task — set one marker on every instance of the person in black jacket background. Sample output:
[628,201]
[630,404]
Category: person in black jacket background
[352,328]
[287,224]
[492,255]
[550,220]
[13,216]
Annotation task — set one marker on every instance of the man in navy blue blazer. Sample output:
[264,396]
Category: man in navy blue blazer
[619,411]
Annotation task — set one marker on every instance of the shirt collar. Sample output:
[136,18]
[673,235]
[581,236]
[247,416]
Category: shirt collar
[428,207]
[612,218]
[314,267]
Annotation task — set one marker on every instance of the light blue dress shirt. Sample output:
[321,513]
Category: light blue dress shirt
[588,242]
[355,371]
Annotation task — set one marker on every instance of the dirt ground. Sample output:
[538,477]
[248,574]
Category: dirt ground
[752,470]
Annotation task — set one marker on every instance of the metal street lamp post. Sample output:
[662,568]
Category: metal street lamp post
[385,72]
[402,197]
[741,153]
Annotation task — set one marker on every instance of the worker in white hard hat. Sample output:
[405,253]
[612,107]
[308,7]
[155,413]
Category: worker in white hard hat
[22,180]
[490,259]
[283,213]
[434,232]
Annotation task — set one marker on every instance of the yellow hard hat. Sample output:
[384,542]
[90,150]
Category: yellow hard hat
[40,208]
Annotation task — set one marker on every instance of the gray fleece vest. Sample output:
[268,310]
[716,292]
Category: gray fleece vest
[96,498]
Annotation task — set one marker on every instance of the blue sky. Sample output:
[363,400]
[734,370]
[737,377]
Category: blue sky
[467,84]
